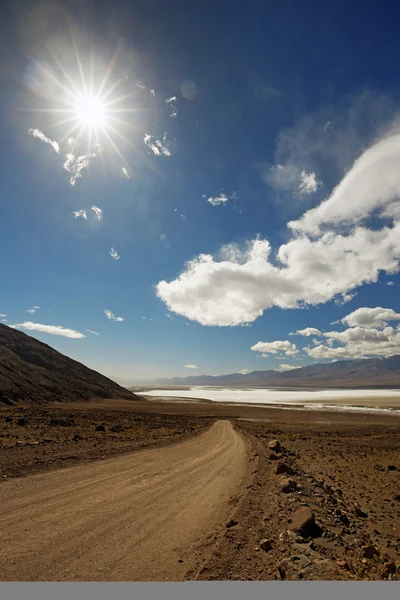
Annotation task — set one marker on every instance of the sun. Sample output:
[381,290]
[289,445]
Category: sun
[91,112]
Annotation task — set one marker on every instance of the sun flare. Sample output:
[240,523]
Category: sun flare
[91,112]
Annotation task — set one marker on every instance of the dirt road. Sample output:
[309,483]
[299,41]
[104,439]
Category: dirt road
[132,518]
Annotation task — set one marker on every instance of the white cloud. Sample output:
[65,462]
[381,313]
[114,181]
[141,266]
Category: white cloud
[75,162]
[98,212]
[4,320]
[307,270]
[372,183]
[32,310]
[3,315]
[217,200]
[306,332]
[111,316]
[345,298]
[191,366]
[80,214]
[243,372]
[51,329]
[159,147]
[390,283]
[275,347]
[172,104]
[308,183]
[125,172]
[286,367]
[91,331]
[114,254]
[38,134]
[377,317]
[290,178]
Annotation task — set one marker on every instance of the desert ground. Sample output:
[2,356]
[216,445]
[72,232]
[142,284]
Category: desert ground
[167,490]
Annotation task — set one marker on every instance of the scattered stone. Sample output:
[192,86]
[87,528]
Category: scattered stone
[22,421]
[343,564]
[388,569]
[359,512]
[288,486]
[303,523]
[100,428]
[283,468]
[266,545]
[369,551]
[275,445]
[231,523]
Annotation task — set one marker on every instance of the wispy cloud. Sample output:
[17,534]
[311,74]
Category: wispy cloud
[51,329]
[98,212]
[291,179]
[33,309]
[159,147]
[125,172]
[147,318]
[308,183]
[38,134]
[75,162]
[114,254]
[191,366]
[243,371]
[91,331]
[80,214]
[3,315]
[390,283]
[112,317]
[172,104]
[221,199]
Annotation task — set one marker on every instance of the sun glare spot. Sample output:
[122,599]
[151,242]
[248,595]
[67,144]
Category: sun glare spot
[91,112]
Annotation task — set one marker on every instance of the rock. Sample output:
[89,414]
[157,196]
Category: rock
[308,564]
[288,486]
[116,428]
[359,512]
[231,523]
[343,564]
[22,421]
[369,551]
[100,428]
[272,456]
[303,523]
[283,468]
[8,419]
[397,498]
[275,445]
[266,545]
[76,437]
[392,468]
[20,443]
[388,569]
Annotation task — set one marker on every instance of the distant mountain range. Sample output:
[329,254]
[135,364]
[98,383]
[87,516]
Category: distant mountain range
[360,373]
[33,372]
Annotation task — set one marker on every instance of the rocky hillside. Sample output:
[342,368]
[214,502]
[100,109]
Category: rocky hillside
[361,373]
[33,372]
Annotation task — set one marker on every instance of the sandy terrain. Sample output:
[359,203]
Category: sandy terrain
[131,518]
[343,468]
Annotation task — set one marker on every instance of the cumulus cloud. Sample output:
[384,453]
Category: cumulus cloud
[308,183]
[91,331]
[377,317]
[111,316]
[159,147]
[75,162]
[33,309]
[98,212]
[191,366]
[80,214]
[38,134]
[314,267]
[306,332]
[390,283]
[51,329]
[114,254]
[285,367]
[274,347]
[369,334]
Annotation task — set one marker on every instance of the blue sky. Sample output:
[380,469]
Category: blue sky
[233,180]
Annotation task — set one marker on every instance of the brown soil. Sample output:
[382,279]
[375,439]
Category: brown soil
[345,470]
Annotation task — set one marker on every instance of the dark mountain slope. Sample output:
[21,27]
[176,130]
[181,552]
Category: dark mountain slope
[33,372]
